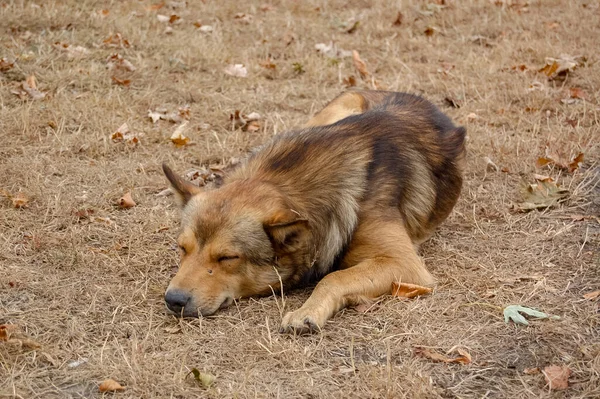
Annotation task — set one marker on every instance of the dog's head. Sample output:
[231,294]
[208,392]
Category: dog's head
[238,240]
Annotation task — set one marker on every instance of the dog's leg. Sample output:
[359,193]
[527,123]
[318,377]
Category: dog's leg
[382,253]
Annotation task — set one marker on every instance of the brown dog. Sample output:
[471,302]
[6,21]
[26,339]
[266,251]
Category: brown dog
[365,181]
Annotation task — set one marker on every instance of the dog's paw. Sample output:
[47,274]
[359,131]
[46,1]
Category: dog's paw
[301,322]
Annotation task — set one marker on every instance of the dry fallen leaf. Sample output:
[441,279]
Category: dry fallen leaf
[463,358]
[559,66]
[576,92]
[592,295]
[542,177]
[10,334]
[205,379]
[237,70]
[178,138]
[6,64]
[398,20]
[360,65]
[126,201]
[248,123]
[121,82]
[350,81]
[542,195]
[554,160]
[117,61]
[405,290]
[72,51]
[532,370]
[29,89]
[116,40]
[557,377]
[123,134]
[20,200]
[109,385]
[243,18]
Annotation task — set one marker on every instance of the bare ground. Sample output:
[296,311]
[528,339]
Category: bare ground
[85,279]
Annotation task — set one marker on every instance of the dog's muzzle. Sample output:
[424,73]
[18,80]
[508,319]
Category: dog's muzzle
[177,300]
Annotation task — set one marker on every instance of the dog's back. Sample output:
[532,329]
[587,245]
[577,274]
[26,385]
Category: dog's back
[383,149]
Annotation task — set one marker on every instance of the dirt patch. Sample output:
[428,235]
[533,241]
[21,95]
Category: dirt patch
[85,278]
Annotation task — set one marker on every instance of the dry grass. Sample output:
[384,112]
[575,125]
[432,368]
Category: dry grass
[89,288]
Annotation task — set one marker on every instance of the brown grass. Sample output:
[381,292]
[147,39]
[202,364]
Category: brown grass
[92,288]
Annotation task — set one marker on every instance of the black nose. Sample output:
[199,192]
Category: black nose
[176,300]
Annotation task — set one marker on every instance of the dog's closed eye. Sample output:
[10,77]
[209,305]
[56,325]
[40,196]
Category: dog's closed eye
[226,258]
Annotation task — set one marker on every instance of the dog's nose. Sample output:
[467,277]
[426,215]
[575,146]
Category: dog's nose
[176,300]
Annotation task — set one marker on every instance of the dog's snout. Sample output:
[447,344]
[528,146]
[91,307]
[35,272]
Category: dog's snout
[176,300]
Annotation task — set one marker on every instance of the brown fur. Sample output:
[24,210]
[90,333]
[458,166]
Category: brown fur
[365,181]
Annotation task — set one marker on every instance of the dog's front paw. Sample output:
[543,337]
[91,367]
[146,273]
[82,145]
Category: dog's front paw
[303,321]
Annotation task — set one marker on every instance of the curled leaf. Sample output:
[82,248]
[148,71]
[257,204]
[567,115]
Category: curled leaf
[110,385]
[205,379]
[126,201]
[463,358]
[360,65]
[178,138]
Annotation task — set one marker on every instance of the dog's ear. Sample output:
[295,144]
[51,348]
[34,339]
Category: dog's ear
[288,235]
[183,189]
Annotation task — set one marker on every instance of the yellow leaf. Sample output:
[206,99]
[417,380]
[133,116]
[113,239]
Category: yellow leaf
[126,201]
[109,385]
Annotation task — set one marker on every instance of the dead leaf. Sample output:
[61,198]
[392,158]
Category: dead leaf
[542,177]
[103,13]
[592,295]
[29,88]
[405,290]
[557,377]
[243,18]
[360,65]
[109,385]
[429,31]
[331,50]
[451,101]
[354,27]
[248,123]
[11,334]
[268,64]
[126,201]
[162,18]
[350,81]
[463,358]
[542,195]
[178,138]
[6,64]
[117,61]
[533,370]
[205,379]
[576,92]
[121,82]
[123,134]
[556,67]
[490,166]
[237,70]
[398,20]
[72,51]
[116,40]
[555,160]
[174,19]
[20,200]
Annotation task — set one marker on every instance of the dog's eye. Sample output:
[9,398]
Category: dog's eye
[183,250]
[225,258]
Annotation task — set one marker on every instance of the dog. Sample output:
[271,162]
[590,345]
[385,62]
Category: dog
[345,201]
